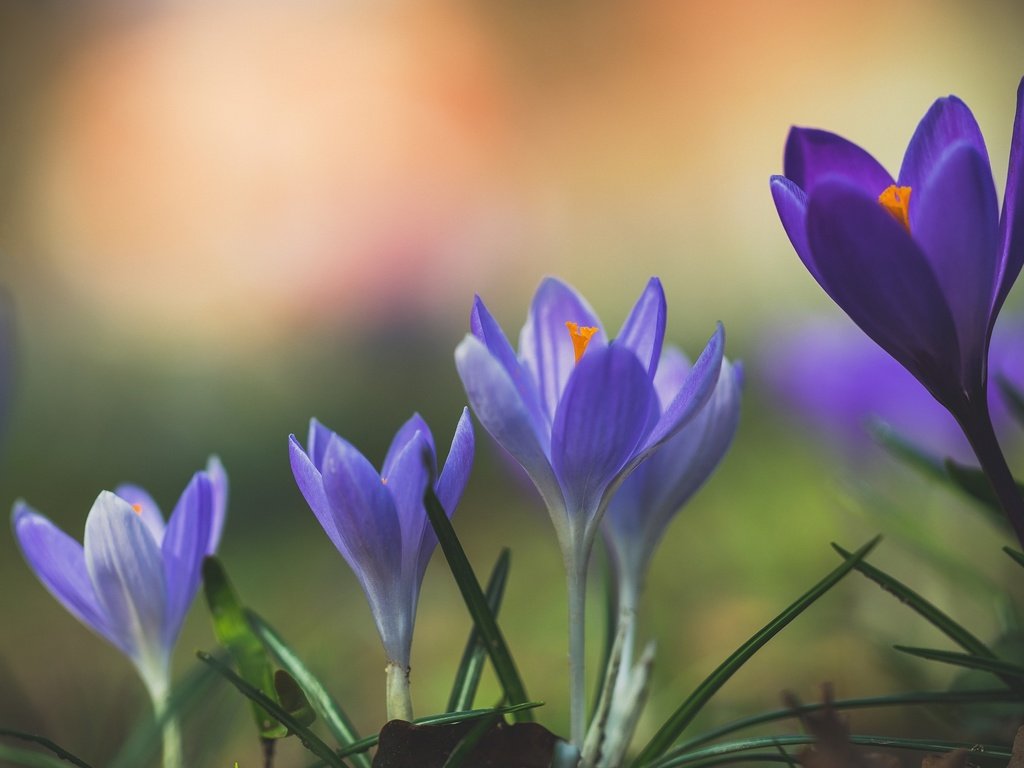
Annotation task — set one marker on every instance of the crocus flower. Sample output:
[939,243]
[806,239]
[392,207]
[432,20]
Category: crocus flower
[133,580]
[922,263]
[378,522]
[579,412]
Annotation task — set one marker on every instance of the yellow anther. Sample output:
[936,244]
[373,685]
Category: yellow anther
[896,200]
[580,337]
[137,508]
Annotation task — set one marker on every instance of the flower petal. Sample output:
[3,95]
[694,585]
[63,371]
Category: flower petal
[407,483]
[496,402]
[812,155]
[453,479]
[644,329]
[316,444]
[956,223]
[545,346]
[402,438]
[185,545]
[59,563]
[881,279]
[1011,222]
[947,122]
[600,423]
[127,574]
[673,369]
[219,481]
[311,485]
[148,510]
[791,203]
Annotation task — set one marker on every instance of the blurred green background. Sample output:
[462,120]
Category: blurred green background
[220,219]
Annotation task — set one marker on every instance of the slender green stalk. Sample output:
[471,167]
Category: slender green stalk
[577,587]
[173,757]
[399,700]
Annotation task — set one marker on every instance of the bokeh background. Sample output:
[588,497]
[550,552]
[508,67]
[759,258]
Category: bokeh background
[220,219]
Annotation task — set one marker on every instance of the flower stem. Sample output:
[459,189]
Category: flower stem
[173,757]
[982,437]
[577,588]
[399,699]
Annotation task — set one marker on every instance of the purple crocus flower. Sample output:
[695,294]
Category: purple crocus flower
[579,412]
[133,580]
[378,522]
[922,263]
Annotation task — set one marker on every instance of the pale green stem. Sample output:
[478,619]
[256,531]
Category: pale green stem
[399,699]
[160,691]
[576,560]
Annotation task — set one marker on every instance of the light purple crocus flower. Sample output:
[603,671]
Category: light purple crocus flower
[378,522]
[922,263]
[133,580]
[579,412]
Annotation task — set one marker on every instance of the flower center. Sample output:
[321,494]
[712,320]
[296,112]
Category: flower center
[580,337]
[896,200]
[138,509]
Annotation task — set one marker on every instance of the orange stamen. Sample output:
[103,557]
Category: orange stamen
[580,338]
[896,200]
[137,508]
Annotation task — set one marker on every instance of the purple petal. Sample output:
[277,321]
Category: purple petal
[545,346]
[599,425]
[316,445]
[956,222]
[453,479]
[791,203]
[407,483]
[1011,223]
[364,515]
[219,481]
[127,574]
[311,485]
[148,510]
[644,329]
[878,275]
[402,438]
[184,547]
[947,122]
[59,563]
[812,155]
[673,369]
[695,392]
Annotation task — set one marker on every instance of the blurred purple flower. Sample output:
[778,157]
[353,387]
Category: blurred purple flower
[377,520]
[922,264]
[579,412]
[134,579]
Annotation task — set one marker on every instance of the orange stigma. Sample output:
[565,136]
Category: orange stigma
[580,337]
[896,200]
[137,508]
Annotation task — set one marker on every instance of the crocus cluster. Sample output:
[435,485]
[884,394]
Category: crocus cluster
[922,263]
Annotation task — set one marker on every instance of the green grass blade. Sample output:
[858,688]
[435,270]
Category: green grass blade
[978,751]
[146,738]
[1017,556]
[467,678]
[483,618]
[682,717]
[922,698]
[338,723]
[46,743]
[922,607]
[1012,396]
[997,667]
[28,759]
[906,451]
[309,740]
[247,652]
[458,756]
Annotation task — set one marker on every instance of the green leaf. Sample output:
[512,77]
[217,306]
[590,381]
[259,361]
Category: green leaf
[483,618]
[688,710]
[979,752]
[997,667]
[467,677]
[917,698]
[458,756]
[1013,397]
[309,740]
[922,607]
[146,738]
[973,482]
[906,451]
[46,743]
[1017,556]
[233,633]
[28,759]
[338,723]
[292,699]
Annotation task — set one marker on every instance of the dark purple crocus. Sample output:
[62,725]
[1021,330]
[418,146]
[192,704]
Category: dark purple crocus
[133,580]
[922,263]
[378,522]
[579,412]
